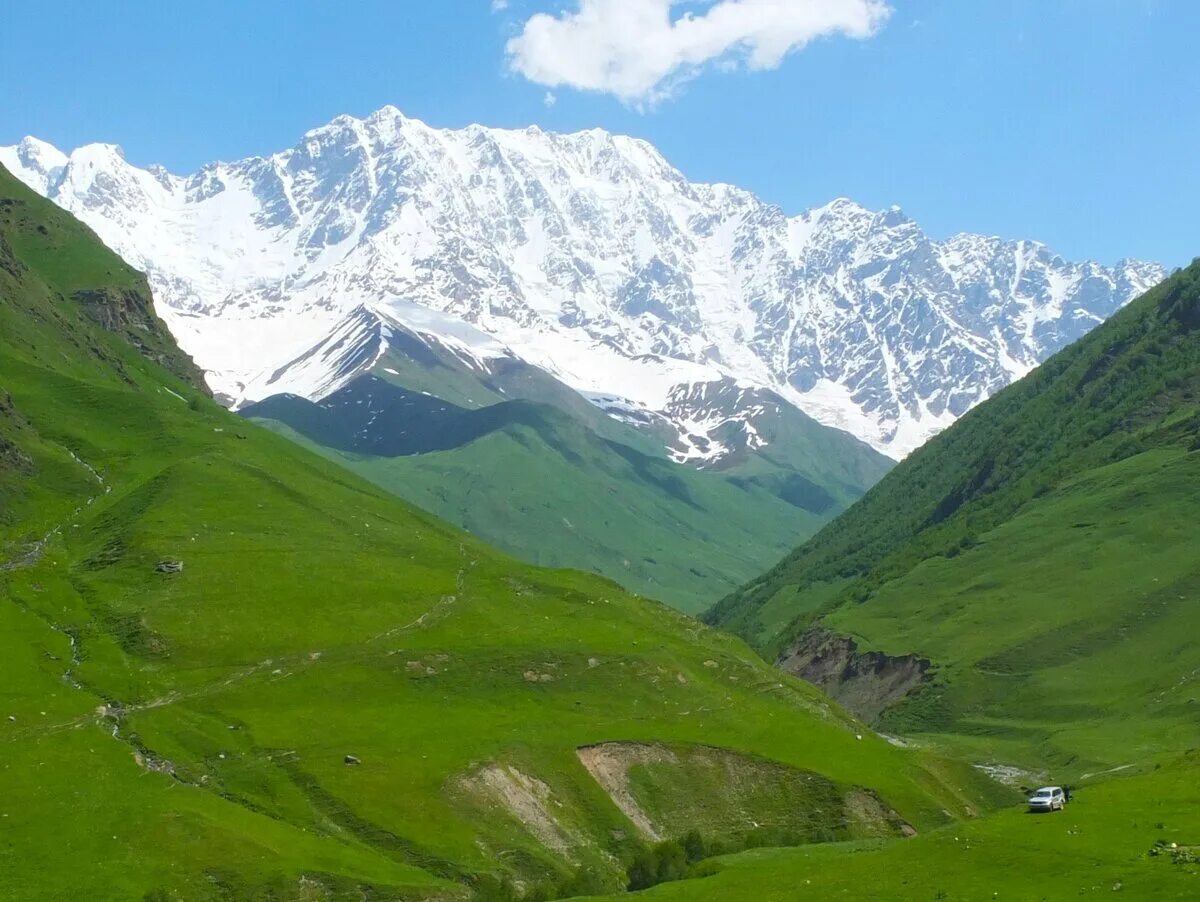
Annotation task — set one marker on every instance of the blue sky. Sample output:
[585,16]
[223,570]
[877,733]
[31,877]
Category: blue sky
[1070,121]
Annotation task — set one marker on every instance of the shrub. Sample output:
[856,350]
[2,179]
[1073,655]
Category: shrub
[661,863]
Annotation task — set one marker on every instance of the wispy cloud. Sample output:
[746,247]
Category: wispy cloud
[641,53]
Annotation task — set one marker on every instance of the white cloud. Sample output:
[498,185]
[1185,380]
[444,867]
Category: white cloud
[549,99]
[636,49]
[499,6]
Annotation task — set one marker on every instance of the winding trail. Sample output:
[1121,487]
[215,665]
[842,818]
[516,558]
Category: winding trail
[113,710]
[31,557]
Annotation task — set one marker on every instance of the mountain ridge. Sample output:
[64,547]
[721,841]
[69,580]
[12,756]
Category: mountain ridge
[588,255]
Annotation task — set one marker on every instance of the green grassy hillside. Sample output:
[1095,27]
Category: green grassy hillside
[562,487]
[1041,553]
[230,669]
[1132,837]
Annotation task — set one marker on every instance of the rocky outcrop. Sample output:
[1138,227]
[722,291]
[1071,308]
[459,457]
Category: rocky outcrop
[867,683]
[129,312]
[8,260]
[119,309]
[11,455]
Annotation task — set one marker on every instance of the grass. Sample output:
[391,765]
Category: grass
[185,735]
[684,542]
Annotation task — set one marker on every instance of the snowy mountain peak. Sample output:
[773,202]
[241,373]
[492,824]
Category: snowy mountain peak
[587,255]
[39,155]
[34,162]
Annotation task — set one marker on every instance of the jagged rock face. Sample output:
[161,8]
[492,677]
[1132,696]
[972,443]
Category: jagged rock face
[588,255]
[868,683]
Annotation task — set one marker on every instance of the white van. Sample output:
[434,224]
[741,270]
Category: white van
[1048,798]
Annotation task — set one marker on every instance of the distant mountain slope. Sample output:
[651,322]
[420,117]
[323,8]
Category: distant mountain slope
[232,670]
[589,256]
[543,473]
[1041,553]
[535,481]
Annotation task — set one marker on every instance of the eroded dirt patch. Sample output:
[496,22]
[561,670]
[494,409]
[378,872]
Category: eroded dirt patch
[609,764]
[733,798]
[527,799]
[869,815]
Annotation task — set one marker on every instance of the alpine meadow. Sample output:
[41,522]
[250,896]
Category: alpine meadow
[598,503]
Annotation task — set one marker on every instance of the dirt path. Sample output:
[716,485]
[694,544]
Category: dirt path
[112,713]
[116,711]
[460,582]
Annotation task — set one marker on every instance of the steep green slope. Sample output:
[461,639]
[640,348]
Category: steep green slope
[1040,553]
[230,669]
[540,482]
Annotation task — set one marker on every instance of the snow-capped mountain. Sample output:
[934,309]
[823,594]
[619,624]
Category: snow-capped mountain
[587,255]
